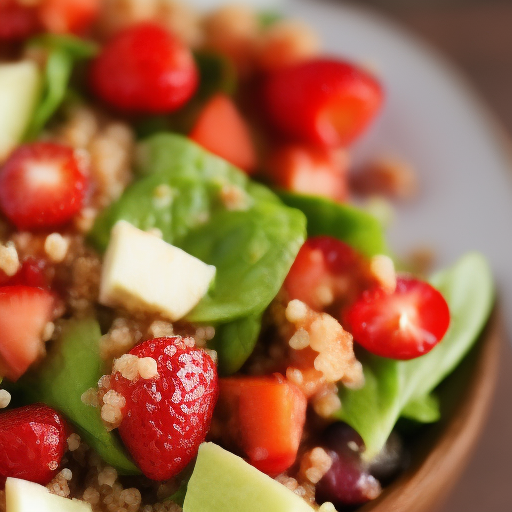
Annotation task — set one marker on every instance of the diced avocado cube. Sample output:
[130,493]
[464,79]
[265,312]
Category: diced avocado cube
[19,91]
[142,272]
[223,482]
[23,496]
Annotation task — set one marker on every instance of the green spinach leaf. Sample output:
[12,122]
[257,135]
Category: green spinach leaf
[234,342]
[71,368]
[252,248]
[396,388]
[325,217]
[64,52]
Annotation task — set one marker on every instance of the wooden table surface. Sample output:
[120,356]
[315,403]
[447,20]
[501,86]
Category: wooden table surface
[476,35]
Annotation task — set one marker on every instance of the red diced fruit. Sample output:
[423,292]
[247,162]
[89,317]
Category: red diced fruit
[265,416]
[323,102]
[401,325]
[65,16]
[17,21]
[24,313]
[31,273]
[221,130]
[324,269]
[309,170]
[145,69]
[32,443]
[41,186]
[167,417]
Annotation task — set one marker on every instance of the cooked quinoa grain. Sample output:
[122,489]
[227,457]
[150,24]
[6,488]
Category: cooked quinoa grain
[5,398]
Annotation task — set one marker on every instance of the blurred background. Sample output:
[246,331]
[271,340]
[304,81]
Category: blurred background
[476,37]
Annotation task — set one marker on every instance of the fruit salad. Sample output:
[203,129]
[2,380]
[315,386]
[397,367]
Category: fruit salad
[198,308]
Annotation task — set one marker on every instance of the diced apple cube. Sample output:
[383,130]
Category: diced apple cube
[19,91]
[23,496]
[142,272]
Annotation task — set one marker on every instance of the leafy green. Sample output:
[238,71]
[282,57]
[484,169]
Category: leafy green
[216,75]
[269,18]
[403,388]
[234,342]
[347,223]
[64,52]
[252,248]
[72,367]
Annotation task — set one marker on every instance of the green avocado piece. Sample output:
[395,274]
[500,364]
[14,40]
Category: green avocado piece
[223,482]
[72,367]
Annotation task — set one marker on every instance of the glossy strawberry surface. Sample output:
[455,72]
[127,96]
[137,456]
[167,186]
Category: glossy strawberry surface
[167,417]
[42,185]
[145,69]
[402,325]
[32,443]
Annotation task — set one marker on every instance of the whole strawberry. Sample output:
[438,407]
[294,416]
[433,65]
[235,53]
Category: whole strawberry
[32,443]
[166,416]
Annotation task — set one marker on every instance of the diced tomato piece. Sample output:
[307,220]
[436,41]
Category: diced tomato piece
[221,130]
[402,325]
[145,69]
[17,21]
[68,16]
[324,270]
[41,186]
[309,170]
[32,443]
[266,417]
[24,312]
[323,101]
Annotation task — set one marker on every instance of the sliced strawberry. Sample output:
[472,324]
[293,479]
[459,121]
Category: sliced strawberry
[17,21]
[222,130]
[309,170]
[325,271]
[32,443]
[65,16]
[167,417]
[24,312]
[324,102]
[265,417]
[402,325]
[41,186]
[145,69]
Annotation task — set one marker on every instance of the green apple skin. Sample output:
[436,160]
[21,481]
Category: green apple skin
[224,482]
[20,84]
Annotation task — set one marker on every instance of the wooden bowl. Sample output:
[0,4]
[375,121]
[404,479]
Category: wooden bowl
[441,452]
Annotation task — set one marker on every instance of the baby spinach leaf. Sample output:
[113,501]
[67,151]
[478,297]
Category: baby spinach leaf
[253,251]
[71,368]
[325,217]
[64,52]
[252,248]
[395,388]
[234,342]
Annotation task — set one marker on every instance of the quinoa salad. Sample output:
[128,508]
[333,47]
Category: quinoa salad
[199,311]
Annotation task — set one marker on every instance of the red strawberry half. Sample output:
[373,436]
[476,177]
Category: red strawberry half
[402,325]
[167,417]
[24,312]
[41,186]
[32,443]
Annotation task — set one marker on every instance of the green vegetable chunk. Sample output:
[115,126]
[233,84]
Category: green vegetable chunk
[252,245]
[234,343]
[403,388]
[71,368]
[223,482]
[64,52]
[355,227]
